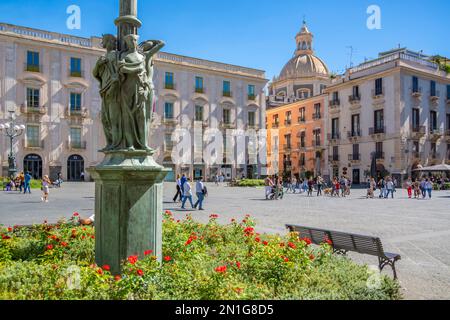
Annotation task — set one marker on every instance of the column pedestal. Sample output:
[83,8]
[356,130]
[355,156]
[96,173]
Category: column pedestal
[128,207]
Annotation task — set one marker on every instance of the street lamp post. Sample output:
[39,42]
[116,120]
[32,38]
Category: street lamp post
[12,130]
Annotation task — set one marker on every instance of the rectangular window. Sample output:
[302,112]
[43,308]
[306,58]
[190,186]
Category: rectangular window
[356,131]
[198,113]
[448,92]
[317,114]
[356,92]
[199,84]
[75,67]
[416,119]
[433,88]
[251,92]
[336,152]
[433,120]
[33,61]
[415,84]
[33,98]
[226,116]
[75,137]
[448,151]
[302,114]
[379,121]
[226,89]
[168,110]
[288,141]
[32,136]
[447,123]
[335,128]
[356,152]
[317,137]
[302,159]
[75,102]
[379,86]
[379,149]
[335,96]
[251,118]
[169,80]
[168,144]
[303,139]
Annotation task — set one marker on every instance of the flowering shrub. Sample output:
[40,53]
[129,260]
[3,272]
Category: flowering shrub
[199,262]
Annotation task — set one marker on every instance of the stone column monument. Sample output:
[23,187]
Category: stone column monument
[128,183]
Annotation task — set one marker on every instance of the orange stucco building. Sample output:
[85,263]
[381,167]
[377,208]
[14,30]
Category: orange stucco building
[296,137]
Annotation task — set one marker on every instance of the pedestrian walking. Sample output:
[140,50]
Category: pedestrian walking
[27,182]
[310,187]
[389,188]
[429,187]
[187,193]
[416,189]
[268,186]
[45,188]
[178,194]
[200,190]
[423,188]
[409,187]
[320,182]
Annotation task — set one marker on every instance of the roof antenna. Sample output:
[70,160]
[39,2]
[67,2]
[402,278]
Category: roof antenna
[351,55]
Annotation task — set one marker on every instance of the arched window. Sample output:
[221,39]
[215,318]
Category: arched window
[75,166]
[32,163]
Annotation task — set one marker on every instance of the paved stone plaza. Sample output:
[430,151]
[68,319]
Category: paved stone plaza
[417,229]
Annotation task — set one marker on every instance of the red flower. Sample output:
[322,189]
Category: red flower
[311,257]
[117,278]
[258,240]
[76,214]
[238,264]
[249,230]
[148,252]
[5,237]
[286,259]
[92,237]
[265,243]
[106,267]
[83,237]
[10,229]
[50,247]
[168,258]
[188,242]
[214,216]
[132,259]
[307,240]
[292,246]
[169,213]
[99,271]
[329,242]
[140,273]
[64,244]
[221,269]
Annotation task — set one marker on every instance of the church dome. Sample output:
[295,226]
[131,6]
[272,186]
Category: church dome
[301,66]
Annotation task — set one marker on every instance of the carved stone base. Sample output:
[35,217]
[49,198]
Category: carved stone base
[128,207]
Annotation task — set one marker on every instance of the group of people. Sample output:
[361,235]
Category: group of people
[185,192]
[22,183]
[275,187]
[387,186]
[419,188]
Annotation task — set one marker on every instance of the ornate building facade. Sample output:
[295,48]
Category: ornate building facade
[395,110]
[45,77]
[296,113]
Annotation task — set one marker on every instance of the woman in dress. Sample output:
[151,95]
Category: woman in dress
[45,188]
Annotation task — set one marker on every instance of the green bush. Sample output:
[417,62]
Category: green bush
[250,183]
[202,261]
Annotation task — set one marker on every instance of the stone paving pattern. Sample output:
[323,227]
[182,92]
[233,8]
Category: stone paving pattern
[416,229]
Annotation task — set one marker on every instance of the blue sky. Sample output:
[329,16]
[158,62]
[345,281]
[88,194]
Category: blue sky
[256,33]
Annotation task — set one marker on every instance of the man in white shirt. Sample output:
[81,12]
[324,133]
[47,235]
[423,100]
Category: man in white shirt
[187,193]
[200,191]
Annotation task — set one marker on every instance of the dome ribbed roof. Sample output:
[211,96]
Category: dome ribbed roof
[301,66]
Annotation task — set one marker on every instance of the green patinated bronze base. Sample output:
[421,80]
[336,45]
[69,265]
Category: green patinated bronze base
[128,207]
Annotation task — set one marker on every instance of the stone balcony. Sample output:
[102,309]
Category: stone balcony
[24,109]
[76,145]
[334,138]
[354,135]
[75,113]
[33,145]
[355,101]
[354,158]
[416,92]
[418,132]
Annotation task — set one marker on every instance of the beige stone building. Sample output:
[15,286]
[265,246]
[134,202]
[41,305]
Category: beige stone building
[396,107]
[46,78]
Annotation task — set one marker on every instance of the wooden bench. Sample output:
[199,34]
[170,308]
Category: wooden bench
[344,242]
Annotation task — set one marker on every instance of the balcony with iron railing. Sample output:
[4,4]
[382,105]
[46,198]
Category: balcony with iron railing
[275,124]
[301,145]
[76,73]
[287,122]
[301,120]
[355,157]
[354,133]
[335,103]
[418,131]
[287,147]
[169,86]
[335,136]
[317,116]
[75,112]
[33,68]
[354,99]
[33,110]
[377,130]
[316,143]
[33,144]
[334,158]
[76,145]
[416,92]
[378,94]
